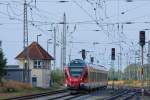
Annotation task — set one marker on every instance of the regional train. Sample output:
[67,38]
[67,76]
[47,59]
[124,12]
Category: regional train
[80,75]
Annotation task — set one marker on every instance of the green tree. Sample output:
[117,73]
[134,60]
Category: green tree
[57,76]
[117,74]
[3,62]
[110,73]
[146,71]
[131,72]
[112,76]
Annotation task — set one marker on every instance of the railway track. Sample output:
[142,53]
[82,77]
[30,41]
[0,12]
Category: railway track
[68,97]
[52,95]
[123,95]
[33,96]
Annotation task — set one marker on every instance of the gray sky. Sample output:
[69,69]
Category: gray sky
[82,14]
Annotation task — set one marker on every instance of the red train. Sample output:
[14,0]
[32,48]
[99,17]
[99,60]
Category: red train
[82,75]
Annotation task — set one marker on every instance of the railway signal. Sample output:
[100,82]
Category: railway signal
[142,38]
[113,54]
[113,59]
[142,43]
[83,54]
[92,60]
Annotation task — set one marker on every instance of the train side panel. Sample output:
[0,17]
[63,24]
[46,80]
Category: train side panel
[97,78]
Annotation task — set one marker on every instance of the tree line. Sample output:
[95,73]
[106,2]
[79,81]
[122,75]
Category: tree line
[131,72]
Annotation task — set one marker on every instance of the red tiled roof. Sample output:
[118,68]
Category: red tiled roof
[36,52]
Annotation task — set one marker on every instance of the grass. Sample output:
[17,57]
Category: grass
[128,83]
[13,89]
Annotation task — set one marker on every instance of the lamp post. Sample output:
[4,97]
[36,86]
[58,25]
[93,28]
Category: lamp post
[38,36]
[48,42]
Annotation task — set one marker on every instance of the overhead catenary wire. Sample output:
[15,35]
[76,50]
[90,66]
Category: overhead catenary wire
[40,21]
[97,23]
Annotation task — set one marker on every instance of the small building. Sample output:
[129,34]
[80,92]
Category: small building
[13,72]
[39,64]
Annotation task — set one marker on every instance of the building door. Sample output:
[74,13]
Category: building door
[34,81]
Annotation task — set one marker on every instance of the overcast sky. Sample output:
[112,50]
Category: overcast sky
[82,16]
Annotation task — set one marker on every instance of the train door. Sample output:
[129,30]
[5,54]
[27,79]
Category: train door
[34,81]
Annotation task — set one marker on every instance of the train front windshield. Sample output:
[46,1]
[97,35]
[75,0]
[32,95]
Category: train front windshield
[76,67]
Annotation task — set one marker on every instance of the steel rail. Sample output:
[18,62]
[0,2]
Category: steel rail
[125,95]
[128,96]
[117,95]
[32,96]
[75,96]
[58,97]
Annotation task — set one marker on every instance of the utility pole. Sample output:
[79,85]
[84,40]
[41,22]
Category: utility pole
[120,61]
[61,60]
[37,37]
[148,58]
[0,44]
[148,54]
[118,67]
[54,47]
[120,58]
[63,45]
[70,55]
[121,52]
[48,42]
[127,62]
[25,45]
[63,41]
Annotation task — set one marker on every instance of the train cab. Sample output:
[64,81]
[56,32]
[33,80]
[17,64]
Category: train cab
[75,73]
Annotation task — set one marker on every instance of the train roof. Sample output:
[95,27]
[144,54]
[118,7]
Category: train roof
[77,62]
[98,67]
[80,62]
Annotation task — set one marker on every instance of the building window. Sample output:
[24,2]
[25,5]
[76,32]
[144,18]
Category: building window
[38,64]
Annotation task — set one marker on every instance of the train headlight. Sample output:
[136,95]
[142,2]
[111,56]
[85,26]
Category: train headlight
[65,85]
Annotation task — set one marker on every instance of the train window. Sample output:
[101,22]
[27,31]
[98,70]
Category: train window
[75,71]
[76,67]
[77,63]
[101,76]
[90,76]
[98,76]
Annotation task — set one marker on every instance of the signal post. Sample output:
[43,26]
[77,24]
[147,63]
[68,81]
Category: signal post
[142,43]
[112,61]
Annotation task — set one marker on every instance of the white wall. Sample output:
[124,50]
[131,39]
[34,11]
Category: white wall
[42,75]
